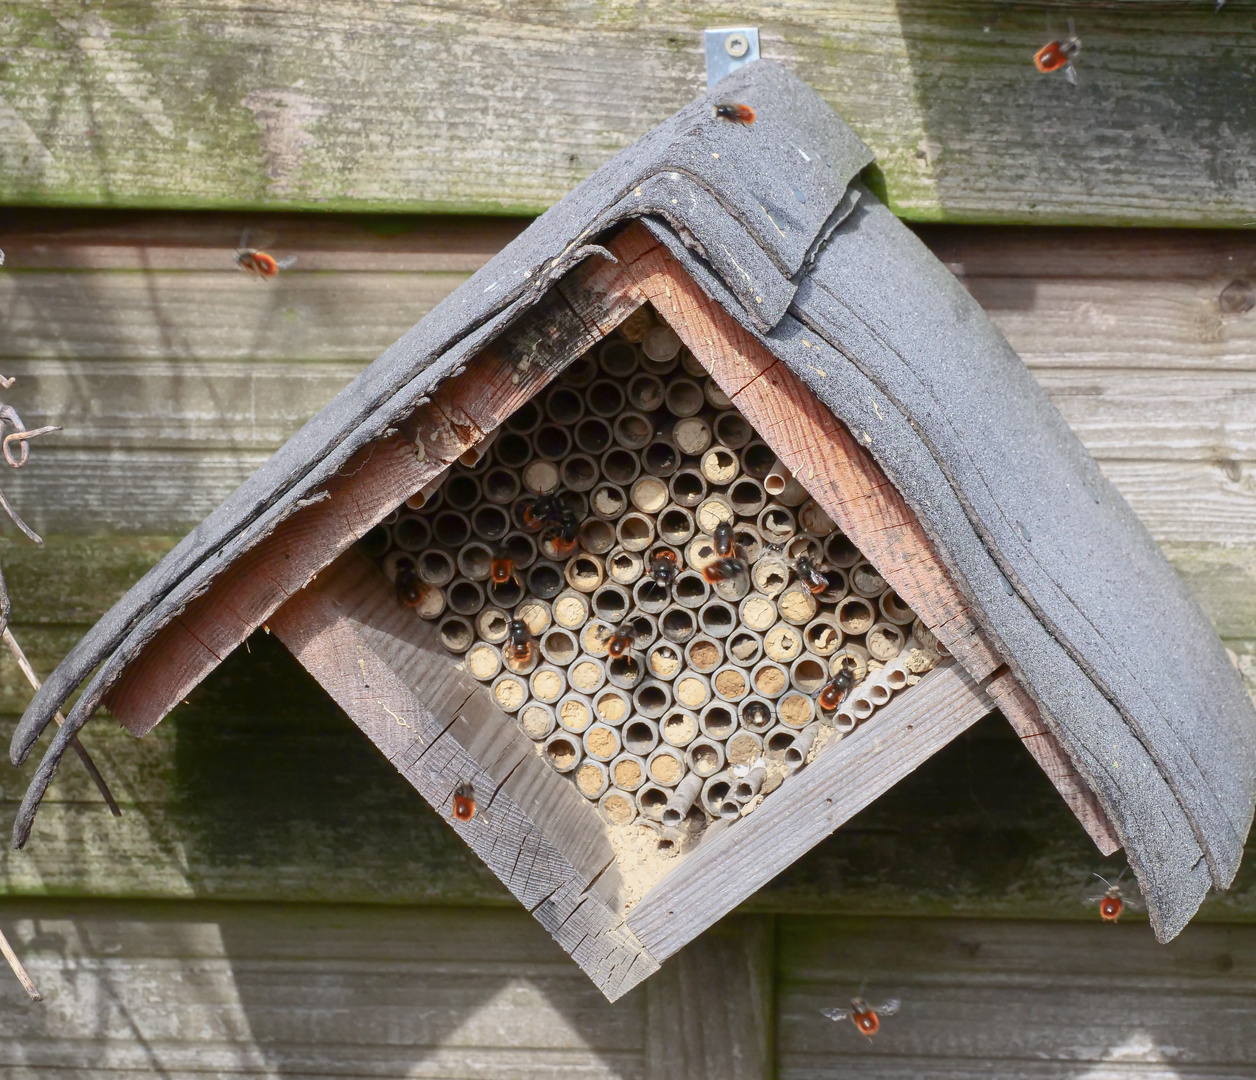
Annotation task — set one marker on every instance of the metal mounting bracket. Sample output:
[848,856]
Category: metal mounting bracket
[727,49]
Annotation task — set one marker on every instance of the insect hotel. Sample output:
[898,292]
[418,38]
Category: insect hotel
[703,514]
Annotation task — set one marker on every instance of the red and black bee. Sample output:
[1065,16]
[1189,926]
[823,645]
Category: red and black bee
[663,567]
[464,802]
[543,510]
[866,1019]
[1060,54]
[520,645]
[502,568]
[620,641]
[563,533]
[1113,902]
[834,692]
[260,263]
[410,589]
[811,575]
[727,110]
[728,567]
[723,537]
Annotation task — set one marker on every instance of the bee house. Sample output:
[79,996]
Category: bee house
[704,513]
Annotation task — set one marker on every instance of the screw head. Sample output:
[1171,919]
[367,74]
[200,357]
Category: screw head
[736,45]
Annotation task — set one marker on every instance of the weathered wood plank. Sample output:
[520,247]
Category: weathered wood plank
[497,108]
[1016,998]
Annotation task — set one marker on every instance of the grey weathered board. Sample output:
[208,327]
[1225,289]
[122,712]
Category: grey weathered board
[500,107]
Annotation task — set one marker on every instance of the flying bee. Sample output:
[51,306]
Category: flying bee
[619,641]
[410,589]
[520,645]
[740,114]
[726,569]
[811,574]
[866,1019]
[562,532]
[502,568]
[1112,902]
[543,510]
[663,567]
[834,692]
[264,265]
[1060,54]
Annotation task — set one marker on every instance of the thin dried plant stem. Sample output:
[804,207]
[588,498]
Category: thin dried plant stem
[28,984]
[79,748]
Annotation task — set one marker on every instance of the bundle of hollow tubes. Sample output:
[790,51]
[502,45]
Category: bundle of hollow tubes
[636,579]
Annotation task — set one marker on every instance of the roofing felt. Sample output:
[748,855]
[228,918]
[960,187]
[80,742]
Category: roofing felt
[770,220]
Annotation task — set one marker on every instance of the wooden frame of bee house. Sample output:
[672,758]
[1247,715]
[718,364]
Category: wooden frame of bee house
[761,386]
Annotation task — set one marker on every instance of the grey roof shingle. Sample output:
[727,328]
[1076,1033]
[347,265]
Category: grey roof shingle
[770,221]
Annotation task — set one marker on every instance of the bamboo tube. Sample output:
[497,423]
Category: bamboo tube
[796,755]
[633,430]
[855,616]
[757,459]
[866,580]
[536,720]
[510,692]
[814,520]
[777,479]
[756,713]
[587,675]
[594,435]
[451,528]
[839,551]
[525,419]
[770,575]
[664,661]
[704,654]
[574,712]
[585,572]
[597,537]
[684,398]
[712,511]
[456,634]
[660,458]
[545,579]
[624,672]
[617,358]
[624,567]
[720,465]
[429,496]
[645,627]
[640,735]
[648,494]
[505,594]
[730,809]
[475,456]
[691,590]
[782,643]
[794,495]
[602,742]
[581,371]
[896,673]
[392,517]
[675,525]
[635,531]
[666,766]
[628,771]
[559,647]
[745,648]
[579,472]
[616,807]
[489,522]
[570,609]
[605,398]
[650,596]
[692,691]
[801,544]
[797,604]
[678,727]
[563,751]
[717,618]
[691,365]
[757,612]
[743,748]
[551,442]
[475,561]
[777,741]
[595,637]
[894,609]
[513,450]
[610,603]
[927,639]
[500,485]
[822,636]
[716,397]
[612,705]
[717,720]
[705,756]
[464,597]
[608,500]
[652,698]
[661,344]
[536,615]
[652,801]
[564,405]
[808,674]
[492,625]
[484,662]
[732,429]
[844,719]
[548,683]
[732,590]
[700,553]
[677,624]
[682,799]
[795,709]
[730,683]
[876,689]
[715,790]
[837,588]
[646,392]
[747,497]
[688,487]
[769,679]
[374,544]
[857,653]
[692,435]
[776,524]
[885,641]
[412,533]
[540,477]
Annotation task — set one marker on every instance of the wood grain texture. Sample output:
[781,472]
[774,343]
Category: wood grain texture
[492,107]
[1041,1001]
[732,862]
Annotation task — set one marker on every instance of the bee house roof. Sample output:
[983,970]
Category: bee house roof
[1104,644]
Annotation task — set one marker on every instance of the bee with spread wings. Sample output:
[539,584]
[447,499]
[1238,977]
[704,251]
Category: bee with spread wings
[867,1020]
